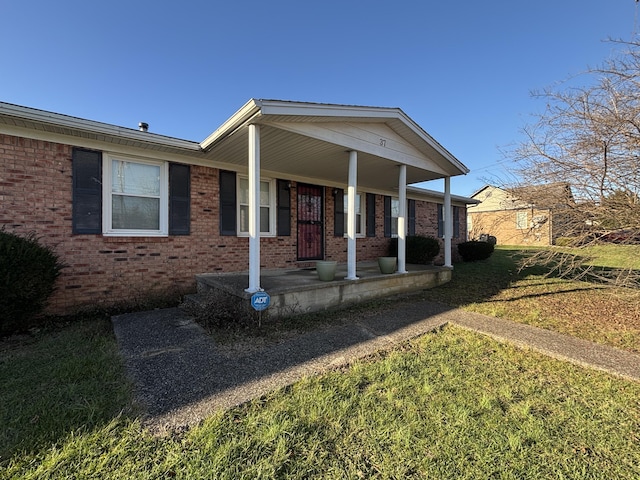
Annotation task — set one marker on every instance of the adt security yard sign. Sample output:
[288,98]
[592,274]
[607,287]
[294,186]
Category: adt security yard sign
[260,301]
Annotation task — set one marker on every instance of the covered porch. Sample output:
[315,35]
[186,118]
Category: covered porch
[349,149]
[297,291]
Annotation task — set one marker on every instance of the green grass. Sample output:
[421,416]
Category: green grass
[498,287]
[62,382]
[611,256]
[451,404]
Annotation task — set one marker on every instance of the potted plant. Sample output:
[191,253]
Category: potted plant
[387,264]
[326,270]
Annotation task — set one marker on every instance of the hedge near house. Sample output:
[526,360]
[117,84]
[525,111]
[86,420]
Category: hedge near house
[474,250]
[421,250]
[28,271]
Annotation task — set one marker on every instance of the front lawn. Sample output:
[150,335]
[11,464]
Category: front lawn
[451,404]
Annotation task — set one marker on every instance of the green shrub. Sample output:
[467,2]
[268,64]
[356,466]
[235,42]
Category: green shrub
[474,250]
[28,271]
[420,249]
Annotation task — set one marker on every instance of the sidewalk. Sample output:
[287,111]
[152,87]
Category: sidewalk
[181,375]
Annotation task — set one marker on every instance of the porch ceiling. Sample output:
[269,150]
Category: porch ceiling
[310,142]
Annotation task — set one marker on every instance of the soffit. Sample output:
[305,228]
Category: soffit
[295,155]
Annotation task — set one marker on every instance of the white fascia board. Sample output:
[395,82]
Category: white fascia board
[43,117]
[308,109]
[239,119]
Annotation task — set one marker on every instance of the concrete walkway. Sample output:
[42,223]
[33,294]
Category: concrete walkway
[181,375]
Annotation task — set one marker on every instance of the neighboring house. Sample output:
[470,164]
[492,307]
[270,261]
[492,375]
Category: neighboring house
[133,213]
[520,216]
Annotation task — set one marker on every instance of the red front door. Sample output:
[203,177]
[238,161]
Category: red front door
[310,225]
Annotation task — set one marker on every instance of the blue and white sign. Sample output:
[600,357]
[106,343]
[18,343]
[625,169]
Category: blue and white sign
[260,301]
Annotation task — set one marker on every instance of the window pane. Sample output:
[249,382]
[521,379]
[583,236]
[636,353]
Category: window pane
[395,213]
[264,219]
[395,207]
[135,213]
[244,218]
[135,178]
[264,193]
[358,214]
[521,220]
[243,194]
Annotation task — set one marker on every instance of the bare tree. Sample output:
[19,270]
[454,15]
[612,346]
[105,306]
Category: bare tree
[588,136]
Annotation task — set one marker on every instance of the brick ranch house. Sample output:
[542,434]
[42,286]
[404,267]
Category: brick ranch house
[279,185]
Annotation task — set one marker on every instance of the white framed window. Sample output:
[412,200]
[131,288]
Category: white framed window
[267,207]
[135,197]
[360,215]
[521,221]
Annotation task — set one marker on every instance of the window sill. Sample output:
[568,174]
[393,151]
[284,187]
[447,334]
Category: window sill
[262,235]
[134,234]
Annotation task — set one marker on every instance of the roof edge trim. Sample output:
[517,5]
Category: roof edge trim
[79,124]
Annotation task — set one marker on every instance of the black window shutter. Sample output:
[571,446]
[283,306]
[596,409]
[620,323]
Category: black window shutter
[371,215]
[338,213]
[87,191]
[412,217]
[179,199]
[284,209]
[440,220]
[387,216]
[227,203]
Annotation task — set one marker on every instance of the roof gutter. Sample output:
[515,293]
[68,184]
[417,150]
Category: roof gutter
[436,194]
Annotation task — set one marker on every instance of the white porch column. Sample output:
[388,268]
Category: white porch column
[448,222]
[254,209]
[351,216]
[402,219]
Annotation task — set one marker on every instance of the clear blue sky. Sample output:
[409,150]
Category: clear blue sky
[463,69]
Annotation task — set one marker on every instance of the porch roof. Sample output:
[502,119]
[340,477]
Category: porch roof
[310,142]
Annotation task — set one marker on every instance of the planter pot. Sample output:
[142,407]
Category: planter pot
[387,264]
[326,270]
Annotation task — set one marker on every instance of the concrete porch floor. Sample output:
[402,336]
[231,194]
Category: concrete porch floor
[300,290]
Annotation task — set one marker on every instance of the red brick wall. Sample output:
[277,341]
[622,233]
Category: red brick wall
[36,193]
[427,225]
